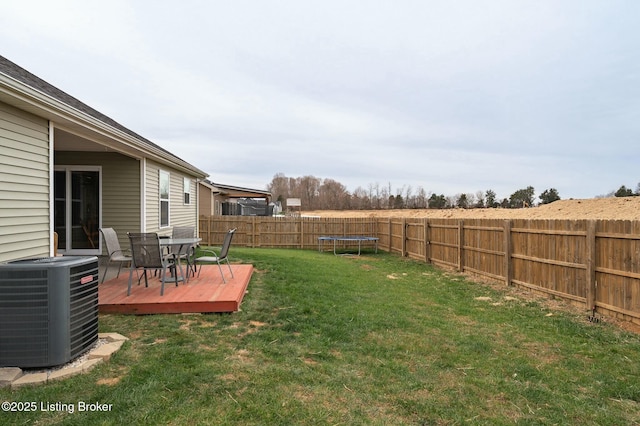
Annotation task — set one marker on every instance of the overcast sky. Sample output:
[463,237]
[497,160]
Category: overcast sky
[451,96]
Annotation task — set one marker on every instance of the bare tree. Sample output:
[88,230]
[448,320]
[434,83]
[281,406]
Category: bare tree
[333,195]
[383,198]
[316,193]
[309,192]
[279,187]
[408,199]
[374,195]
[360,199]
[421,199]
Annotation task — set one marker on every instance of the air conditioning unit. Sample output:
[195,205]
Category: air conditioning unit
[48,310]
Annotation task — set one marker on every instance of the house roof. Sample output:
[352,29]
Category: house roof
[26,91]
[237,191]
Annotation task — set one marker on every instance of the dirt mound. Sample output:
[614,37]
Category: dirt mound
[617,208]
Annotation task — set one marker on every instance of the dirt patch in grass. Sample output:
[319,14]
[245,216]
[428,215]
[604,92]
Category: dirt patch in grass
[134,335]
[207,348]
[309,361]
[234,377]
[243,356]
[109,381]
[396,276]
[186,324]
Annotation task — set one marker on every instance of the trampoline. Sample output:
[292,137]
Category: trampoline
[347,239]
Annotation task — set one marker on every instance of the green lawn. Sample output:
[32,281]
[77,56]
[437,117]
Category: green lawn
[341,340]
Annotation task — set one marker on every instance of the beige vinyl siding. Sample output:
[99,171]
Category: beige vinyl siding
[182,214]
[152,213]
[179,213]
[24,185]
[120,188]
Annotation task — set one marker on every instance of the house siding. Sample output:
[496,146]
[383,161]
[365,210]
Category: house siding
[180,214]
[152,201]
[24,185]
[205,201]
[120,188]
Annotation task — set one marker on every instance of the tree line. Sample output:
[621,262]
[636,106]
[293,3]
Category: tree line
[328,194]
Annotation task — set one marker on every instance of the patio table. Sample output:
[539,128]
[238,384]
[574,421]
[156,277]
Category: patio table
[182,244]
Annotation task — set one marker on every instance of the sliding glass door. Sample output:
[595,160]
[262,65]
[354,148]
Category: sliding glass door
[77,211]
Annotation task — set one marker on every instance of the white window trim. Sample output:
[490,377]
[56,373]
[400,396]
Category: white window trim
[67,169]
[161,200]
[186,190]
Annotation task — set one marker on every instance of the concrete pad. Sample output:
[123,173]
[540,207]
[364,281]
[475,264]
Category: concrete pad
[8,375]
[65,372]
[112,337]
[30,379]
[90,363]
[105,351]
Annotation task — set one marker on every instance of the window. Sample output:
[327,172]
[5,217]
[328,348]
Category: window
[164,185]
[187,191]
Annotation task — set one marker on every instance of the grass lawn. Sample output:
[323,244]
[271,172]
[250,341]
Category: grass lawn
[338,340]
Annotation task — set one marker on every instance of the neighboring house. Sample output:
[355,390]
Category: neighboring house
[217,199]
[67,168]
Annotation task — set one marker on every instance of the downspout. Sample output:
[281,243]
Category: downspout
[143,195]
[52,248]
[197,207]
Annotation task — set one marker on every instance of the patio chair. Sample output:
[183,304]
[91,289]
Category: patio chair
[189,252]
[211,256]
[147,255]
[116,254]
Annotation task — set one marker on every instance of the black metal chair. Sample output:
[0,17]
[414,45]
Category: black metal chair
[188,252]
[211,256]
[147,254]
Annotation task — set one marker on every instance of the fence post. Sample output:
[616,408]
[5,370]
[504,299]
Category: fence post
[404,237]
[508,266]
[461,245]
[209,218]
[591,265]
[427,245]
[253,231]
[374,228]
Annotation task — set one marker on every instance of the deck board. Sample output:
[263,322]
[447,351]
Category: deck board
[204,294]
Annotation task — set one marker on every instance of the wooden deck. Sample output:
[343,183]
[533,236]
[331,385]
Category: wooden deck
[204,294]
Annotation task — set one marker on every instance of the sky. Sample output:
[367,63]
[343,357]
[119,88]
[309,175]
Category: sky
[449,96]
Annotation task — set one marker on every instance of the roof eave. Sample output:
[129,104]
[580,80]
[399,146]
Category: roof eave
[25,97]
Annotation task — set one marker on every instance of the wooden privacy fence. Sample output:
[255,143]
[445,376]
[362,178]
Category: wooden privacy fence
[594,263]
[282,232]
